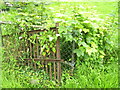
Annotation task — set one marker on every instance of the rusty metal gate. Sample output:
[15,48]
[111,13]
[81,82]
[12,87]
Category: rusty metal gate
[29,53]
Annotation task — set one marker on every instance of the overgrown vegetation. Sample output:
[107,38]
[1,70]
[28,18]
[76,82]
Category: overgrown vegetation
[88,25]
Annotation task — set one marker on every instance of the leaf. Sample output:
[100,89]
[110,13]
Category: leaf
[101,56]
[89,50]
[44,53]
[102,53]
[54,50]
[62,29]
[86,30]
[83,43]
[94,45]
[94,50]
[79,52]
[51,38]
[69,37]
[89,39]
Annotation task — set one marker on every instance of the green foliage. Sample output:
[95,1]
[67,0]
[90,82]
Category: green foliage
[95,36]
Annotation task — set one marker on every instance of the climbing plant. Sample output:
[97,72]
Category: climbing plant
[95,39]
[92,35]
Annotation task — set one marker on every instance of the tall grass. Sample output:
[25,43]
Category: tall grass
[99,77]
[85,76]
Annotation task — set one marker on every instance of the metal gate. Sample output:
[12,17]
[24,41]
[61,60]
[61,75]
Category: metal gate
[29,53]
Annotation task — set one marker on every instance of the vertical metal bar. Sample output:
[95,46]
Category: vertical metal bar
[46,66]
[54,71]
[42,65]
[37,47]
[34,65]
[34,53]
[28,46]
[58,55]
[24,47]
[18,47]
[1,40]
[34,48]
[50,72]
[27,49]
[58,71]
[73,55]
[20,51]
[58,44]
[23,50]
[30,49]
[40,52]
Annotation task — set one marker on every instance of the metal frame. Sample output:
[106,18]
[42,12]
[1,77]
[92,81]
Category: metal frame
[56,62]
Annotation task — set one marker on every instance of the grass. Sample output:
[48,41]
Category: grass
[85,76]
[100,7]
[99,77]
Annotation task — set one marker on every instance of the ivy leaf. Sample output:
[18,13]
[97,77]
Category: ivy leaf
[82,43]
[79,52]
[89,38]
[69,37]
[89,51]
[94,45]
[86,30]
[94,50]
